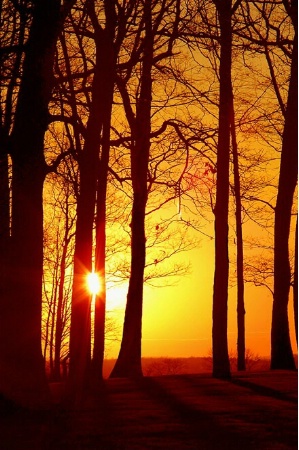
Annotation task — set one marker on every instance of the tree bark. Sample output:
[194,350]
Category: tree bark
[100,113]
[128,363]
[295,289]
[281,350]
[4,220]
[108,79]
[60,302]
[22,367]
[221,367]
[241,363]
[80,332]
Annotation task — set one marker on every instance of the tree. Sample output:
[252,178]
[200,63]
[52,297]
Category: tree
[22,367]
[281,350]
[109,51]
[15,23]
[207,37]
[220,347]
[129,359]
[59,219]
[87,97]
[269,30]
[239,238]
[156,32]
[108,46]
[80,333]
[295,285]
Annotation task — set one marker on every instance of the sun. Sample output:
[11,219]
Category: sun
[93,283]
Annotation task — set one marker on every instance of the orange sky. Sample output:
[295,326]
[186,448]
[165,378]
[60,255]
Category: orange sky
[177,320]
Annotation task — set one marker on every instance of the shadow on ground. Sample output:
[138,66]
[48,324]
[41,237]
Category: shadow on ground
[194,412]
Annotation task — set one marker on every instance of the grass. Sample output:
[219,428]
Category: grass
[255,411]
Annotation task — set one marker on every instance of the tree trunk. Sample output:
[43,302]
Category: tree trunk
[53,312]
[100,300]
[129,359]
[100,267]
[108,79]
[80,345]
[4,223]
[4,203]
[128,363]
[80,332]
[295,289]
[59,312]
[22,367]
[241,363]
[221,367]
[281,350]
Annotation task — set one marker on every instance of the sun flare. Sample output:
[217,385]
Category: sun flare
[93,283]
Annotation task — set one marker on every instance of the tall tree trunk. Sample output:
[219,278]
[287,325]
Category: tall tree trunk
[100,267]
[53,312]
[100,260]
[281,350]
[128,363]
[108,79]
[22,375]
[241,363]
[295,289]
[100,113]
[221,367]
[4,203]
[4,221]
[59,312]
[80,332]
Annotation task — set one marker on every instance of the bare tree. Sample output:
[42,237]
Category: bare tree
[221,367]
[281,350]
[295,282]
[129,359]
[109,50]
[22,367]
[158,28]
[58,256]
[241,348]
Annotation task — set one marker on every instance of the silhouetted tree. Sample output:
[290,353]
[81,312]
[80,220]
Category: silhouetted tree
[221,367]
[239,244]
[129,359]
[156,31]
[15,22]
[62,307]
[58,256]
[93,158]
[88,159]
[295,287]
[281,350]
[109,51]
[22,366]
[269,31]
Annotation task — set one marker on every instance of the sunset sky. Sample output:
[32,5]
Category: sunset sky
[149,204]
[177,320]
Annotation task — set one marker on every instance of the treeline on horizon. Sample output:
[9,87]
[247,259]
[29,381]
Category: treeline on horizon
[160,366]
[126,127]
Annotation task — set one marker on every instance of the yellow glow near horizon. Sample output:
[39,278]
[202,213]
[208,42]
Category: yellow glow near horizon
[93,283]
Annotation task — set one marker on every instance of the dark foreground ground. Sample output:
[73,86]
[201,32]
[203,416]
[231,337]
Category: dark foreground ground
[195,412]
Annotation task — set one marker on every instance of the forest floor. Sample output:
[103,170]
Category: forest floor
[252,411]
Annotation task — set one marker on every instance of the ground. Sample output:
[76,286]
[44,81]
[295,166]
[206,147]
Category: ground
[255,411]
